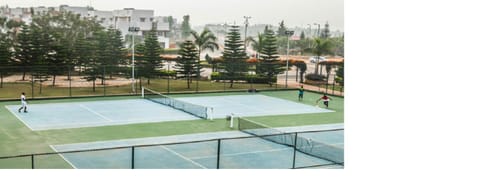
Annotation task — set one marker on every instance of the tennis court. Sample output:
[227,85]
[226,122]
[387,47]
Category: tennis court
[135,132]
[132,111]
[234,150]
[96,113]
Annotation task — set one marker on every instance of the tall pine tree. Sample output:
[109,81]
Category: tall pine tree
[269,65]
[186,29]
[23,50]
[150,56]
[5,55]
[234,55]
[281,29]
[188,64]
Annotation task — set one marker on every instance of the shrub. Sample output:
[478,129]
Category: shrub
[246,78]
[315,77]
[170,73]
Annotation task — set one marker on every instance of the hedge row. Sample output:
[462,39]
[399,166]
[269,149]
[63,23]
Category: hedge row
[247,78]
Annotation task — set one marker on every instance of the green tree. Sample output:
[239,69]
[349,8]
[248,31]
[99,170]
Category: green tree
[340,79]
[117,51]
[93,69]
[257,44]
[234,55]
[170,22]
[281,29]
[186,29]
[151,57]
[269,65]
[23,50]
[325,32]
[205,40]
[321,47]
[84,51]
[302,36]
[5,56]
[13,27]
[41,52]
[301,68]
[188,63]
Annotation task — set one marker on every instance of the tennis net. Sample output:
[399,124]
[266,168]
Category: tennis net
[194,109]
[302,144]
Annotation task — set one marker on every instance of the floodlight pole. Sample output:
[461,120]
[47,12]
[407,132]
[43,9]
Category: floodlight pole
[246,26]
[288,33]
[133,30]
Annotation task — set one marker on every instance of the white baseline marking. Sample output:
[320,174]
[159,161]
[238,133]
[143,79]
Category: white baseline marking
[183,157]
[94,112]
[18,117]
[71,164]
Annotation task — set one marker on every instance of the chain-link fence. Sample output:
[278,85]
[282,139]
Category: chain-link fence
[42,82]
[249,152]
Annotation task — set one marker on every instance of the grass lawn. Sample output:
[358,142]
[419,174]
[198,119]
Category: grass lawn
[13,90]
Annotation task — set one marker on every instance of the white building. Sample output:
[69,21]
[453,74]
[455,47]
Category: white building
[83,11]
[105,18]
[145,20]
[118,19]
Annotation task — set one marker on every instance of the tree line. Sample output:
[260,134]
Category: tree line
[63,43]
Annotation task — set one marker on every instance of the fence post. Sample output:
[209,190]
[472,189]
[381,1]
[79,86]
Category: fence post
[133,157]
[33,93]
[294,150]
[70,81]
[326,87]
[104,82]
[218,154]
[333,88]
[198,78]
[33,164]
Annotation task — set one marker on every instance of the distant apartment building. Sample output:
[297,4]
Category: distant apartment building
[118,19]
[18,14]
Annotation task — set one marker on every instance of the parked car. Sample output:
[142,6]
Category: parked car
[316,59]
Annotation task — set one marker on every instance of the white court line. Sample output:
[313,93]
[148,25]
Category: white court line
[94,112]
[71,164]
[183,157]
[18,117]
[244,153]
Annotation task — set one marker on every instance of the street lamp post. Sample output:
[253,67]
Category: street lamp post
[133,30]
[246,26]
[288,33]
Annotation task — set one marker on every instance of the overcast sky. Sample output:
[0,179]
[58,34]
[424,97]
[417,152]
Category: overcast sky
[294,13]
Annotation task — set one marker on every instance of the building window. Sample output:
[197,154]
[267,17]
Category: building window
[151,19]
[142,19]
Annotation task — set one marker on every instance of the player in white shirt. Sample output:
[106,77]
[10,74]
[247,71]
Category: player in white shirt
[24,103]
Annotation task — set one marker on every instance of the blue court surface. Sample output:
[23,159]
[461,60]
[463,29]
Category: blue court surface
[119,112]
[235,153]
[96,113]
[252,105]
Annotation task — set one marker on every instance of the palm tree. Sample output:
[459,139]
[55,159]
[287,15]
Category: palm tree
[257,44]
[321,47]
[206,40]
